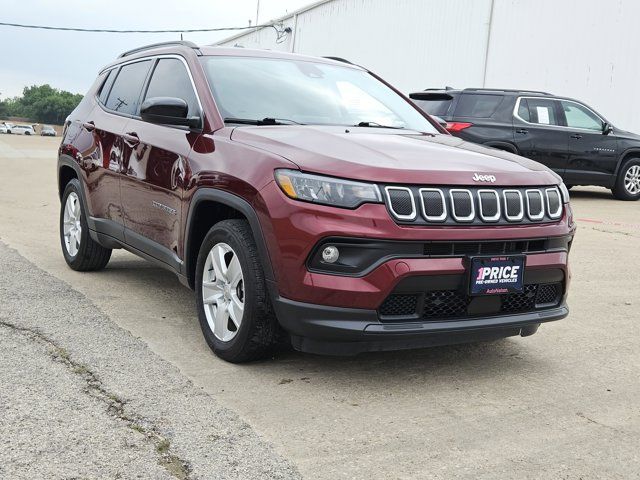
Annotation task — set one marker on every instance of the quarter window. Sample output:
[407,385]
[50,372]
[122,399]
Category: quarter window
[477,106]
[170,79]
[106,86]
[580,117]
[126,89]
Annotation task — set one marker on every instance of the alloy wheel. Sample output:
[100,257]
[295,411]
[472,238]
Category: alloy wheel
[72,230]
[223,292]
[632,180]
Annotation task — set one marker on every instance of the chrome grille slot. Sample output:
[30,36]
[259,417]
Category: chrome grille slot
[401,202]
[554,204]
[434,206]
[535,204]
[513,205]
[489,203]
[462,207]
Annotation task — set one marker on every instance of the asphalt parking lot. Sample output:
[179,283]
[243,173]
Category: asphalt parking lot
[117,360]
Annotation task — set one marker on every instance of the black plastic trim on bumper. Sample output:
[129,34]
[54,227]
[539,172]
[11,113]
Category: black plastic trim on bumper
[348,331]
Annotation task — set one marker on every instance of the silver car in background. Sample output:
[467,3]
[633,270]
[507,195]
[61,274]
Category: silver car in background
[23,130]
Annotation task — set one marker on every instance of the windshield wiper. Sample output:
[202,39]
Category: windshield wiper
[376,125]
[264,121]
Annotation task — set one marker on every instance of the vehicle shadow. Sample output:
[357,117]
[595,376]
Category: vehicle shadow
[591,193]
[464,362]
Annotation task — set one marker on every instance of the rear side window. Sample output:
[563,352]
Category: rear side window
[126,89]
[478,106]
[540,110]
[106,86]
[171,79]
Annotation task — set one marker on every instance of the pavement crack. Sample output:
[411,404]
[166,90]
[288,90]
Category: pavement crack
[614,232]
[595,422]
[115,406]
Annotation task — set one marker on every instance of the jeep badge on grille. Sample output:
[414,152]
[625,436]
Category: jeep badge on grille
[483,178]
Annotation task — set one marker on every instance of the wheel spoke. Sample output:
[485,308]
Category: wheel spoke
[218,262]
[234,272]
[236,309]
[221,329]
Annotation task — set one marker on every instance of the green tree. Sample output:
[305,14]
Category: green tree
[42,104]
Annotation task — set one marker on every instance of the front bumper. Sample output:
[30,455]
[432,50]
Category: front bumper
[348,331]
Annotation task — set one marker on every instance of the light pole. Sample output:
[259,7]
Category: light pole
[257,13]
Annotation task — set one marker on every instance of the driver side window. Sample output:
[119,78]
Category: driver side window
[580,117]
[170,79]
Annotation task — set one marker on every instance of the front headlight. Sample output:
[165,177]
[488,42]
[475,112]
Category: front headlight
[326,190]
[565,193]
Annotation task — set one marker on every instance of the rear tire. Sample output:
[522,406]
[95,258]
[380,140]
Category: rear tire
[627,186]
[234,309]
[80,251]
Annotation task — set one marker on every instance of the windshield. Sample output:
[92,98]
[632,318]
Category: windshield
[294,91]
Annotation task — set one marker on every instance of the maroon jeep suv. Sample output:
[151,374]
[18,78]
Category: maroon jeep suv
[305,200]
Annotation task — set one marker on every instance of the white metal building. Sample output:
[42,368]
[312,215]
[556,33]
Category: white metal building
[587,49]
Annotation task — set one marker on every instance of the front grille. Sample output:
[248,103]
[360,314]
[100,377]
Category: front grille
[455,206]
[399,305]
[459,249]
[454,304]
[445,304]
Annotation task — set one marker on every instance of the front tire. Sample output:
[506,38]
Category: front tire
[80,251]
[627,185]
[234,310]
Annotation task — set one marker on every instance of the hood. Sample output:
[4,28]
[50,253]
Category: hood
[386,155]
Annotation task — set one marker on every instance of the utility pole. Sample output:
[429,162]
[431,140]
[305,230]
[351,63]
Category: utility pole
[257,14]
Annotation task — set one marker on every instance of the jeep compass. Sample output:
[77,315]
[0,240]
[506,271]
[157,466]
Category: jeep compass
[307,201]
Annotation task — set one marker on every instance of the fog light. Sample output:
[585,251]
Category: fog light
[330,254]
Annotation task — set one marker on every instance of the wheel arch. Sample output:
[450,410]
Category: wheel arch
[66,173]
[216,205]
[67,165]
[626,155]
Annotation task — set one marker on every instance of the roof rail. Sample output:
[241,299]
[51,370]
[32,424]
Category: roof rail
[339,59]
[510,90]
[183,43]
[438,89]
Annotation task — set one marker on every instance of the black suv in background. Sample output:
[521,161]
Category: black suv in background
[566,135]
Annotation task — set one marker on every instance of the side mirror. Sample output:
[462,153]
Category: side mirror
[168,111]
[607,128]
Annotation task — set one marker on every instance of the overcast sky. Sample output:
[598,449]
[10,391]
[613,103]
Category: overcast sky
[71,60]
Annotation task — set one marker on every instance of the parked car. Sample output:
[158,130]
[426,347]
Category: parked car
[306,200]
[47,131]
[564,134]
[23,130]
[5,127]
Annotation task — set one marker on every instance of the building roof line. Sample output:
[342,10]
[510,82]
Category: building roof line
[274,21]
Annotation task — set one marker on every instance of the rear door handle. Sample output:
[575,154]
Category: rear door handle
[522,131]
[131,138]
[89,126]
[577,136]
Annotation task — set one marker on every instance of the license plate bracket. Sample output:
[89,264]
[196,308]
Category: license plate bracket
[496,274]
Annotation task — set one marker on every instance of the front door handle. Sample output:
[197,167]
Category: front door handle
[89,126]
[522,131]
[577,136]
[131,138]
